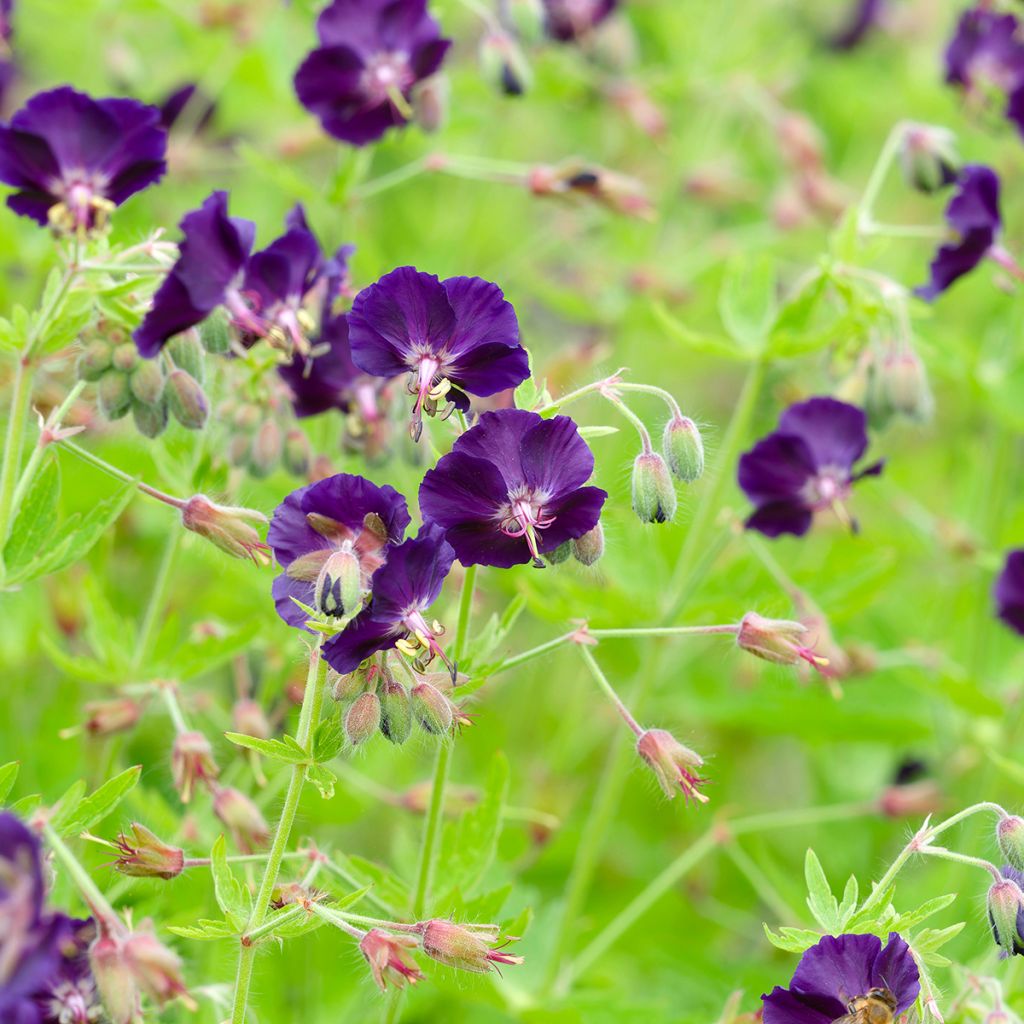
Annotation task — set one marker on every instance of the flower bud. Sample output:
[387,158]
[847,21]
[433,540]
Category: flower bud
[900,385]
[250,719]
[430,103]
[1006,915]
[94,360]
[395,711]
[588,549]
[227,526]
[928,157]
[466,948]
[125,357]
[248,827]
[191,762]
[911,799]
[776,640]
[150,420]
[432,709]
[504,64]
[114,395]
[115,980]
[215,334]
[247,417]
[155,968]
[345,688]
[799,141]
[1010,836]
[527,18]
[362,719]
[186,353]
[674,765]
[683,448]
[187,400]
[147,382]
[297,453]
[559,555]
[265,453]
[654,497]
[105,717]
[338,589]
[143,855]
[389,960]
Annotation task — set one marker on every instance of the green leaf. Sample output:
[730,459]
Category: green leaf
[590,432]
[8,776]
[926,910]
[199,656]
[232,897]
[67,805]
[328,739]
[793,940]
[72,317]
[930,939]
[204,930]
[98,805]
[26,805]
[93,525]
[820,900]
[323,778]
[36,522]
[747,303]
[849,903]
[391,890]
[287,750]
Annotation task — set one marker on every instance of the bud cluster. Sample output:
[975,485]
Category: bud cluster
[262,437]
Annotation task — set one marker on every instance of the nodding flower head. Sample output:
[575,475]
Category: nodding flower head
[249,828]
[512,489]
[841,969]
[1006,912]
[568,21]
[465,947]
[359,81]
[402,590]
[805,466]
[192,762]
[389,959]
[1009,592]
[674,765]
[777,640]
[453,338]
[143,855]
[228,527]
[330,538]
[73,159]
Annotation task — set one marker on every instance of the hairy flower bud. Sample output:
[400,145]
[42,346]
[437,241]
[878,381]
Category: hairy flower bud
[338,589]
[297,452]
[527,18]
[265,453]
[215,334]
[1006,915]
[114,979]
[1010,836]
[143,855]
[248,827]
[395,711]
[115,397]
[191,762]
[559,555]
[504,64]
[362,719]
[432,709]
[389,960]
[466,948]
[125,357]
[654,497]
[147,382]
[156,969]
[250,719]
[187,400]
[900,385]
[345,688]
[683,448]
[675,766]
[105,717]
[150,420]
[430,103]
[186,353]
[94,360]
[227,526]
[928,157]
[779,641]
[588,549]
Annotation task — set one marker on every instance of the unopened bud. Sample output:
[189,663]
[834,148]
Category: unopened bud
[654,497]
[362,719]
[430,103]
[150,420]
[432,709]
[1010,836]
[468,948]
[250,719]
[779,641]
[504,64]
[187,400]
[143,855]
[156,969]
[338,590]
[395,711]
[248,827]
[115,980]
[589,548]
[105,717]
[125,357]
[114,394]
[227,526]
[911,799]
[247,417]
[346,688]
[683,448]
[799,141]
[1006,915]
[265,453]
[559,554]
[186,353]
[928,157]
[389,960]
[191,762]
[527,18]
[297,453]
[94,360]
[900,385]
[675,766]
[215,334]
[147,382]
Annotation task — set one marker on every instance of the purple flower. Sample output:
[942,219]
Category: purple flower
[73,159]
[451,337]
[862,18]
[208,274]
[512,488]
[70,993]
[403,589]
[571,20]
[805,466]
[372,52]
[329,538]
[973,215]
[1012,943]
[840,970]
[1009,591]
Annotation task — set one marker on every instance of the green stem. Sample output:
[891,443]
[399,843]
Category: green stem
[651,389]
[154,607]
[962,858]
[120,474]
[760,883]
[534,652]
[394,1006]
[312,702]
[170,698]
[95,899]
[866,206]
[269,926]
[465,611]
[432,829]
[729,629]
[602,680]
[641,427]
[20,399]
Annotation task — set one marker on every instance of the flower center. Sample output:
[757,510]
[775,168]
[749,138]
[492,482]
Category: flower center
[524,516]
[422,643]
[82,208]
[386,77]
[428,384]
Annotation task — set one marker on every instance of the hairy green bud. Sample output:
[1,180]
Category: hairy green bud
[94,361]
[150,420]
[395,711]
[114,394]
[654,497]
[147,382]
[215,334]
[362,719]
[589,548]
[186,353]
[683,448]
[187,400]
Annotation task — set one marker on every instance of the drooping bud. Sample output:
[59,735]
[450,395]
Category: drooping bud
[362,719]
[389,960]
[250,719]
[186,353]
[94,360]
[1010,836]
[684,448]
[588,549]
[215,334]
[265,453]
[297,453]
[114,395]
[800,141]
[150,420]
[227,526]
[928,157]
[147,382]
[105,717]
[559,555]
[527,18]
[125,357]
[248,827]
[675,766]
[430,103]
[432,709]
[338,590]
[504,64]
[900,385]
[395,711]
[143,855]
[466,948]
[191,762]
[654,497]
[1006,915]
[155,968]
[115,980]
[187,400]
[779,641]
[348,687]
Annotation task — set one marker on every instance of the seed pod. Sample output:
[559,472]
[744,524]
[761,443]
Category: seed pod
[432,709]
[395,712]
[362,719]
[347,688]
[187,400]
[215,334]
[94,361]
[150,420]
[683,448]
[187,354]
[247,416]
[147,382]
[590,547]
[265,453]
[430,103]
[654,497]
[559,555]
[297,452]
[125,357]
[114,394]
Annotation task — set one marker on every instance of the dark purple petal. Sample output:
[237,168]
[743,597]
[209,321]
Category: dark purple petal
[575,514]
[555,459]
[1009,591]
[779,517]
[354,23]
[363,636]
[895,969]
[413,575]
[324,382]
[286,270]
[777,468]
[985,42]
[461,487]
[428,57]
[498,438]
[781,1006]
[329,80]
[283,589]
[482,315]
[569,20]
[835,432]
[861,19]
[491,368]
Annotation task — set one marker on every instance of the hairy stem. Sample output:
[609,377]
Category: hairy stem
[432,829]
[154,605]
[602,680]
[20,398]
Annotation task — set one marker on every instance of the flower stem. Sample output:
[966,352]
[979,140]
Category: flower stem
[312,702]
[432,829]
[465,611]
[95,899]
[642,631]
[154,606]
[886,155]
[962,858]
[641,428]
[20,398]
[602,681]
[534,652]
[174,710]
[651,389]
[120,474]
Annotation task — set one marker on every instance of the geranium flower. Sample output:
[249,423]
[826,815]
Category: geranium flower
[805,466]
[359,81]
[403,589]
[453,338]
[973,215]
[329,538]
[840,969]
[73,159]
[1009,591]
[512,489]
[571,20]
